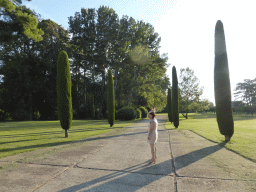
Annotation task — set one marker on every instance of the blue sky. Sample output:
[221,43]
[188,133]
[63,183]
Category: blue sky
[186,28]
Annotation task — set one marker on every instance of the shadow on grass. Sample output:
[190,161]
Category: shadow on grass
[243,117]
[1,143]
[92,138]
[66,142]
[33,146]
[141,175]
[237,117]
[201,116]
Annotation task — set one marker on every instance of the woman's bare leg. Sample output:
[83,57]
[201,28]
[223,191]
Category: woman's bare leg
[153,152]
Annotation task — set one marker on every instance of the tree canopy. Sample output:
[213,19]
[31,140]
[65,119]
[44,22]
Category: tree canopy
[190,90]
[22,21]
[246,91]
[96,41]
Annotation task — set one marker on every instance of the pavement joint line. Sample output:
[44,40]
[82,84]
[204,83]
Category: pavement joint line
[68,167]
[173,166]
[51,179]
[54,165]
[75,164]
[179,176]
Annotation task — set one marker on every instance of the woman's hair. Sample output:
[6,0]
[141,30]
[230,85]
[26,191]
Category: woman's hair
[152,113]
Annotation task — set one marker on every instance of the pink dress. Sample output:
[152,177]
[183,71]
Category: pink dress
[154,135]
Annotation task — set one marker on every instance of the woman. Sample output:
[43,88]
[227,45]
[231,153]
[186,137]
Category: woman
[152,134]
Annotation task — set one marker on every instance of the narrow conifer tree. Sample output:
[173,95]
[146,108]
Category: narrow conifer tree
[169,104]
[175,98]
[64,99]
[222,85]
[111,99]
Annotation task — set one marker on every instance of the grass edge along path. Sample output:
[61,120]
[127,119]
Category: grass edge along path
[27,136]
[243,141]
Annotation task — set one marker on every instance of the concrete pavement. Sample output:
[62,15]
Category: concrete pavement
[119,161]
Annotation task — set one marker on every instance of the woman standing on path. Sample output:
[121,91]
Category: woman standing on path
[152,134]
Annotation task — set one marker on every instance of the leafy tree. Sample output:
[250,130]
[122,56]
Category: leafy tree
[189,88]
[64,99]
[31,67]
[106,45]
[249,109]
[204,105]
[111,99]
[82,27]
[18,2]
[246,91]
[175,98]
[22,22]
[99,41]
[169,105]
[143,70]
[222,84]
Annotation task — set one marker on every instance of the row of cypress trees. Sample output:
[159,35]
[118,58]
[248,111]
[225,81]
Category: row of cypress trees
[222,88]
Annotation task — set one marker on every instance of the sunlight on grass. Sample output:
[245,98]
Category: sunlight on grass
[242,142]
[20,137]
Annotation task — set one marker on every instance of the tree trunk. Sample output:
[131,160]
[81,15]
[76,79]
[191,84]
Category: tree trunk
[104,108]
[227,138]
[129,99]
[66,133]
[187,109]
[30,107]
[115,82]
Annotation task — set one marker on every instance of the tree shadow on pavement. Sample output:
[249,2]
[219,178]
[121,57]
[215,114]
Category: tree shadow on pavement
[126,180]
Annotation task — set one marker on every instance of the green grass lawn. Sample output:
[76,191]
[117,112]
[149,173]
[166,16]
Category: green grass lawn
[20,137]
[243,140]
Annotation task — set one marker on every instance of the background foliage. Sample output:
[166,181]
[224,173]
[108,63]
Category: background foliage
[96,41]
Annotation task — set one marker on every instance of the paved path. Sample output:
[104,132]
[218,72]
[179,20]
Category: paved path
[119,161]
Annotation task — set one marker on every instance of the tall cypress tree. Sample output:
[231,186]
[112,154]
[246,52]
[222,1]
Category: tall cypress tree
[111,99]
[222,84]
[169,104]
[175,98]
[64,99]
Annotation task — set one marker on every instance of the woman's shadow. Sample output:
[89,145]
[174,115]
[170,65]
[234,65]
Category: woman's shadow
[140,175]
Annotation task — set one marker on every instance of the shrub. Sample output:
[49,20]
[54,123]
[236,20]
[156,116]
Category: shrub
[20,115]
[138,114]
[36,115]
[116,113]
[126,113]
[144,112]
[3,115]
